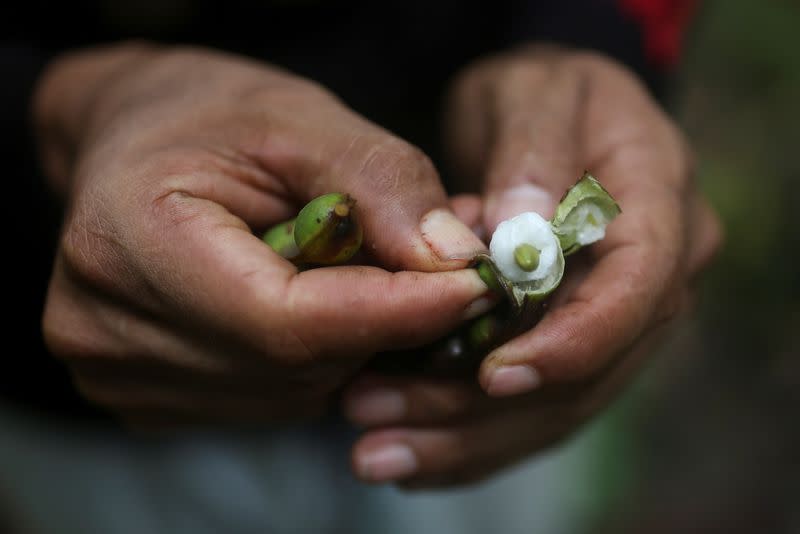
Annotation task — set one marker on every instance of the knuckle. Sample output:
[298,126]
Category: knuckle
[544,155]
[526,72]
[88,249]
[601,65]
[396,153]
[174,209]
[592,59]
[291,94]
[394,164]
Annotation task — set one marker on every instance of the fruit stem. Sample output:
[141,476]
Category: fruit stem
[342,209]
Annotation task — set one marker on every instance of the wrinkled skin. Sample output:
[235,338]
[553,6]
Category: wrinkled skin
[164,304]
[522,127]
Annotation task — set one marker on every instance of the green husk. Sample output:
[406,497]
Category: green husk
[586,195]
[281,239]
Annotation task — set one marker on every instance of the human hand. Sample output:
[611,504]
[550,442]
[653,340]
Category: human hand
[163,303]
[527,124]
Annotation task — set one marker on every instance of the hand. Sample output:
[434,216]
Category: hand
[162,301]
[528,124]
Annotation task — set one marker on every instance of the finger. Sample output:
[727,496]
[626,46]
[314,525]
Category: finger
[467,125]
[627,290]
[126,363]
[536,152]
[378,400]
[402,204]
[469,210]
[466,450]
[88,328]
[451,455]
[222,275]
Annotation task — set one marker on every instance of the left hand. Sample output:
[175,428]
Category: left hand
[526,125]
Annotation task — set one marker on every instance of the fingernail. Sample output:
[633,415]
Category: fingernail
[478,307]
[513,380]
[503,205]
[390,462]
[374,406]
[448,237]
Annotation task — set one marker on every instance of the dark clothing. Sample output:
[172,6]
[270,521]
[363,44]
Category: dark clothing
[390,61]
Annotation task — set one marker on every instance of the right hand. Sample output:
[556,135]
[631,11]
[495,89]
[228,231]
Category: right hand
[164,304]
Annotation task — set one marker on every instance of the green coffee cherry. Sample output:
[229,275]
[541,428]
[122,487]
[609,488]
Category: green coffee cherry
[281,239]
[325,232]
[483,332]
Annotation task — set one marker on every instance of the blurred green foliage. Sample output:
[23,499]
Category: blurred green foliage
[740,109]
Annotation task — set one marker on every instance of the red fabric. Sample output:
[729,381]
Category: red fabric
[663,23]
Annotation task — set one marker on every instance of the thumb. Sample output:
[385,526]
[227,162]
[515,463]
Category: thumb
[408,224]
[401,202]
